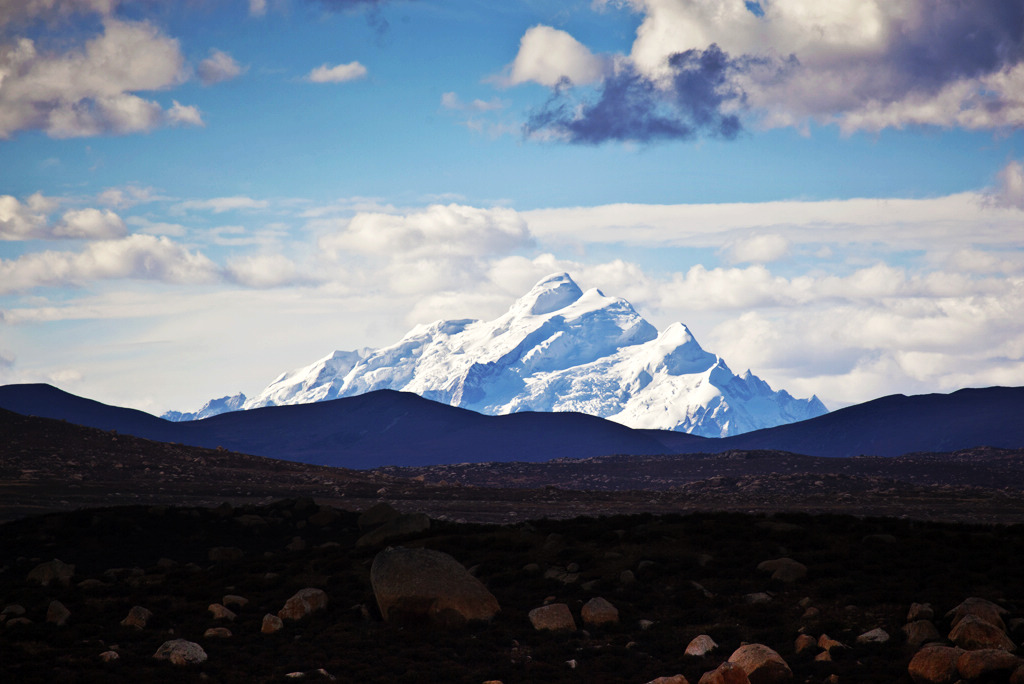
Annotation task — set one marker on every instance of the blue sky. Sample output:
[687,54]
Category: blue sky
[195,197]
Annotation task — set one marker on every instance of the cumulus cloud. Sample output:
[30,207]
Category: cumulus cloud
[452,101]
[91,90]
[265,270]
[92,224]
[866,65]
[13,11]
[219,205]
[257,8]
[550,56]
[127,196]
[337,74]
[136,256]
[1010,190]
[219,66]
[439,247]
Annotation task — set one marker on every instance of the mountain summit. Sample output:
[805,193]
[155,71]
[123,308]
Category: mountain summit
[557,348]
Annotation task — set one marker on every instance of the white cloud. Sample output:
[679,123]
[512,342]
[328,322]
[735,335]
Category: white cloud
[147,227]
[758,249]
[257,8]
[1010,190]
[265,270]
[337,74]
[219,205]
[547,55]
[91,224]
[136,256]
[182,115]
[25,221]
[452,101]
[127,196]
[218,67]
[19,10]
[90,91]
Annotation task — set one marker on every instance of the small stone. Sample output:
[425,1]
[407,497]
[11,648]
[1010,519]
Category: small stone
[181,652]
[271,623]
[783,569]
[234,600]
[627,577]
[674,679]
[303,603]
[757,598]
[804,643]
[55,571]
[823,657]
[597,612]
[13,610]
[700,646]
[810,614]
[57,613]
[921,632]
[826,642]
[920,611]
[553,617]
[726,673]
[875,636]
[109,656]
[645,624]
[217,633]
[762,664]
[220,612]
[137,617]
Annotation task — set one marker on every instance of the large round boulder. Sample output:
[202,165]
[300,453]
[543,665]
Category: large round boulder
[761,664]
[181,652]
[980,608]
[935,665]
[973,633]
[422,583]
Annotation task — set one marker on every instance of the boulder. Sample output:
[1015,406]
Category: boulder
[54,571]
[674,679]
[377,515]
[921,632]
[826,642]
[403,525]
[979,608]
[597,611]
[422,583]
[302,603]
[973,633]
[181,652]
[553,617]
[762,664]
[986,662]
[137,617]
[109,656]
[234,600]
[726,673]
[57,613]
[783,569]
[271,624]
[935,665]
[700,646]
[1018,676]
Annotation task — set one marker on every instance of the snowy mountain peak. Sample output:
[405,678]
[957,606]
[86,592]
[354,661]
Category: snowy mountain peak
[557,348]
[552,293]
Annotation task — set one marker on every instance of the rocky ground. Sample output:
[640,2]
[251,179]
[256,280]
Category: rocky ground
[124,560]
[831,595]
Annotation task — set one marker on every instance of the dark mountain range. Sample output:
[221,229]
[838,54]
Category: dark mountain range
[396,428]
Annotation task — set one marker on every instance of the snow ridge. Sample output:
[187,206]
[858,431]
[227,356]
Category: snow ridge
[557,348]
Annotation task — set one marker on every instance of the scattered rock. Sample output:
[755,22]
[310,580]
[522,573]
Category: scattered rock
[271,623]
[761,664]
[758,597]
[826,642]
[423,583]
[217,633]
[57,613]
[52,571]
[219,612]
[985,662]
[302,603]
[973,633]
[137,617]
[181,652]
[109,656]
[935,665]
[726,673]
[403,525]
[224,554]
[921,632]
[597,611]
[700,646]
[804,643]
[627,577]
[377,515]
[553,617]
[875,636]
[979,608]
[13,610]
[233,600]
[920,611]
[783,569]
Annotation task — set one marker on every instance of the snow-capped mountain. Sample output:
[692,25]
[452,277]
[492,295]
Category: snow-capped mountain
[557,349]
[211,408]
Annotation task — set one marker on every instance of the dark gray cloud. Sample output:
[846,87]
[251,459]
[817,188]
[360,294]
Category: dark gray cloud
[374,17]
[632,107]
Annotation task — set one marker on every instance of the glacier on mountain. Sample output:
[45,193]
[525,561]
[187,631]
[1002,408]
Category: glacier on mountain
[557,348]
